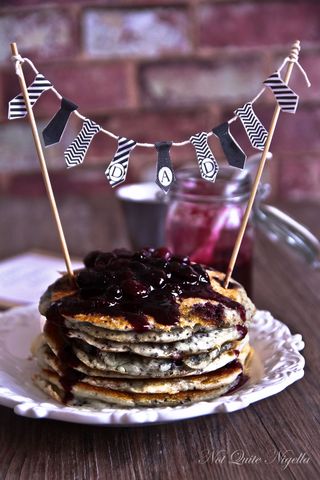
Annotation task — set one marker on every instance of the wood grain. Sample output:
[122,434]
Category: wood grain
[289,421]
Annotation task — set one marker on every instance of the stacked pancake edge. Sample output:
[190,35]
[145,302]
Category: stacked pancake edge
[167,365]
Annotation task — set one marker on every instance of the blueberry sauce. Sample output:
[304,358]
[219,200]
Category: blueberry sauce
[135,285]
[55,330]
[209,311]
[243,330]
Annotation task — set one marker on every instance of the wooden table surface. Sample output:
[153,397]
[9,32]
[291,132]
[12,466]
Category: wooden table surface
[286,424]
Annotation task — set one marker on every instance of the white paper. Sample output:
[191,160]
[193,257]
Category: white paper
[24,278]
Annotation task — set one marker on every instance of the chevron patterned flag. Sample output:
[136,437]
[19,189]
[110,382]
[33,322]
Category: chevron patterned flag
[75,153]
[117,170]
[255,130]
[233,152]
[207,163]
[17,107]
[286,98]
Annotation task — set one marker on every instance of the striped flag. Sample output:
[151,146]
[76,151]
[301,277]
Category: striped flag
[256,132]
[117,170]
[17,107]
[75,153]
[207,163]
[286,98]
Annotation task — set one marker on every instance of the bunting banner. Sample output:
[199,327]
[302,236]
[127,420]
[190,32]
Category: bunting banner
[53,132]
[287,99]
[207,163]
[233,152]
[256,132]
[117,170]
[17,107]
[75,153]
[165,174]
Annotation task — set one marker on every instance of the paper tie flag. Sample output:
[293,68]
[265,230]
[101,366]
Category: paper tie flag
[52,133]
[117,170]
[233,152]
[207,163]
[255,130]
[286,98]
[17,107]
[165,173]
[75,153]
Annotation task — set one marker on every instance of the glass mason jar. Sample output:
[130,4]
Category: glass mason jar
[204,218]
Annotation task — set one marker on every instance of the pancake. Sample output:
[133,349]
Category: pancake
[98,364]
[207,381]
[99,397]
[237,309]
[101,393]
[174,335]
[197,343]
[146,328]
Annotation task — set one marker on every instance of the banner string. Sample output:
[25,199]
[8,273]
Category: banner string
[18,60]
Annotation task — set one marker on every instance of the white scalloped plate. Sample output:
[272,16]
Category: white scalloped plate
[276,364]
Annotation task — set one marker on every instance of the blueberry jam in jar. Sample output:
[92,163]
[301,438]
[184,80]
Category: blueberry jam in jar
[204,218]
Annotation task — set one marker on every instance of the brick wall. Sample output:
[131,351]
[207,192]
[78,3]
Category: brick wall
[156,70]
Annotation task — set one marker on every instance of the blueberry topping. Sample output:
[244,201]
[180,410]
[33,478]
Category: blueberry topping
[146,283]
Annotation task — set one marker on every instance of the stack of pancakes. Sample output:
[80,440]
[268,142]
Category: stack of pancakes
[142,329]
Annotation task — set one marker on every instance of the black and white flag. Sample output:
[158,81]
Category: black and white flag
[255,130]
[52,133]
[286,98]
[117,170]
[75,153]
[165,173]
[17,107]
[207,163]
[233,152]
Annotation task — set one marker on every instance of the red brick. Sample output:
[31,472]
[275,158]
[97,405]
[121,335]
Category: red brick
[299,177]
[142,33]
[90,222]
[41,34]
[151,126]
[111,3]
[225,80]
[299,132]
[295,138]
[3,108]
[310,61]
[294,133]
[93,87]
[18,151]
[17,147]
[254,24]
[30,3]
[75,181]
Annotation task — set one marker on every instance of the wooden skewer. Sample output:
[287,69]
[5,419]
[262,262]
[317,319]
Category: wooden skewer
[294,54]
[43,166]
